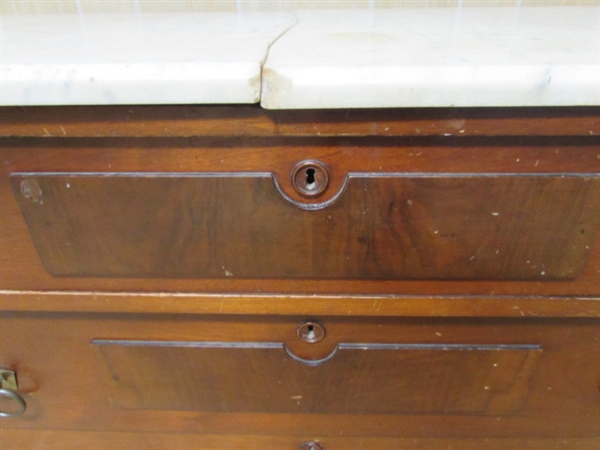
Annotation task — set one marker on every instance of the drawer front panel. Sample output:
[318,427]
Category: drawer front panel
[397,226]
[416,377]
[355,379]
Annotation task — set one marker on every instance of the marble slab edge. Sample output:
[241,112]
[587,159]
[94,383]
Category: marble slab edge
[477,57]
[126,59]
[435,57]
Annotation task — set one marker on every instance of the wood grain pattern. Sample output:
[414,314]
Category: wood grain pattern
[21,267]
[243,120]
[361,378]
[14,439]
[395,227]
[537,167]
[358,305]
[67,387]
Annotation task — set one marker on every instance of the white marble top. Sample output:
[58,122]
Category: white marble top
[112,58]
[430,57]
[483,56]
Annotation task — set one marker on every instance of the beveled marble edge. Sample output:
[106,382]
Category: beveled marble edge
[130,84]
[532,56]
[572,85]
[113,59]
[542,56]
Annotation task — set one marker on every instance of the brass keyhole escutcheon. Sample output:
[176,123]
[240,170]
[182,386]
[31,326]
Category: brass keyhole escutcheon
[311,332]
[310,178]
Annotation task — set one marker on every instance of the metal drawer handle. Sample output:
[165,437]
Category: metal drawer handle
[13,395]
[8,390]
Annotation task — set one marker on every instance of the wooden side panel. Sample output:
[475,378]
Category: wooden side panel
[479,227]
[357,379]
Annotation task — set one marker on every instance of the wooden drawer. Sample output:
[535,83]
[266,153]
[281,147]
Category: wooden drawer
[253,375]
[156,263]
[388,226]
[497,228]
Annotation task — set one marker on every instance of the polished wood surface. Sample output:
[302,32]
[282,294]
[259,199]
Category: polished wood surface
[398,305]
[22,268]
[269,377]
[158,196]
[67,384]
[76,440]
[394,227]
[244,120]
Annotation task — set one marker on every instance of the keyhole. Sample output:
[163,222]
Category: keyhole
[311,332]
[310,179]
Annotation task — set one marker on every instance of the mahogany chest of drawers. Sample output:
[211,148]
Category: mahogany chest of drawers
[229,277]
